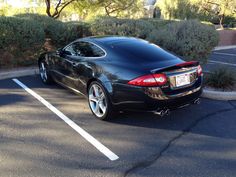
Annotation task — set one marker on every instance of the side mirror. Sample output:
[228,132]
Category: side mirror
[65,52]
[59,52]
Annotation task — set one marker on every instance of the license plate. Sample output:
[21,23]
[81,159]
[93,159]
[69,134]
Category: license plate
[182,79]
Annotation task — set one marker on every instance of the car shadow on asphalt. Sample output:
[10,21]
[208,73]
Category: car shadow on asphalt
[210,114]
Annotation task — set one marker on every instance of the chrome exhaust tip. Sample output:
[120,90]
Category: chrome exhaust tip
[197,101]
[162,112]
[167,112]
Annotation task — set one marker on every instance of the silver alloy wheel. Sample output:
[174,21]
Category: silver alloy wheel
[97,100]
[43,72]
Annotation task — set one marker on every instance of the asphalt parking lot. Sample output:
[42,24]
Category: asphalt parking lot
[222,58]
[199,140]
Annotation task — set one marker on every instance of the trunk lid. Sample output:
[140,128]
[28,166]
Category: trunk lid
[180,76]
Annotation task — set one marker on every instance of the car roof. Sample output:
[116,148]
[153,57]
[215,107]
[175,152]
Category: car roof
[109,40]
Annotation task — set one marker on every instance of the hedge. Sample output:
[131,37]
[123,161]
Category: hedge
[59,32]
[190,39]
[124,27]
[17,38]
[22,37]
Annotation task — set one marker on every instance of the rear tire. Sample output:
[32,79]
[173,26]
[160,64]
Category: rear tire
[44,73]
[99,102]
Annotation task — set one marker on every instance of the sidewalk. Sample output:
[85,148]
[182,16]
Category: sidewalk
[18,72]
[224,47]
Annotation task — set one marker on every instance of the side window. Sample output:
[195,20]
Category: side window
[86,49]
[70,50]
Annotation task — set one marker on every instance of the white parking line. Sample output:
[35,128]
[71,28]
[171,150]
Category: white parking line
[223,63]
[107,152]
[228,54]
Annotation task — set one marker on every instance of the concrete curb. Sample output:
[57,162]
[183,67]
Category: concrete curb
[218,95]
[224,47]
[18,73]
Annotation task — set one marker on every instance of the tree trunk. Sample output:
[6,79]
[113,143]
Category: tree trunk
[221,18]
[58,9]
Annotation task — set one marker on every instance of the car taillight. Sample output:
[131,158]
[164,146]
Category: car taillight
[199,70]
[149,80]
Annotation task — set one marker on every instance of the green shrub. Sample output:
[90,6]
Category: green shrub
[221,78]
[123,27]
[158,23]
[190,39]
[232,25]
[20,33]
[75,30]
[22,36]
[19,37]
[60,33]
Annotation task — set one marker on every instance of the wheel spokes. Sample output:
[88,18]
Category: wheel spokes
[97,100]
[43,72]
[96,109]
[92,98]
[102,107]
[96,91]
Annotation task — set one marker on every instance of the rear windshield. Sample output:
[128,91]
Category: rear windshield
[142,51]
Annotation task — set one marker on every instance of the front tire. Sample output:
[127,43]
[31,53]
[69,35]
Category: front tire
[44,73]
[99,102]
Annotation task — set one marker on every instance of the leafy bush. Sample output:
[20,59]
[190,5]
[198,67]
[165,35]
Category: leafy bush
[232,25]
[19,33]
[19,37]
[124,27]
[190,39]
[60,33]
[158,23]
[22,36]
[221,78]
[75,30]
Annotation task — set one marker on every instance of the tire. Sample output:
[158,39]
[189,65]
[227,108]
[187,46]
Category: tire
[44,73]
[99,102]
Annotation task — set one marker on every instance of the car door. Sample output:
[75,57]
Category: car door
[63,65]
[83,69]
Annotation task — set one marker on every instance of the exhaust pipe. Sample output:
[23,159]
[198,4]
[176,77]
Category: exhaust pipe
[167,112]
[197,101]
[163,112]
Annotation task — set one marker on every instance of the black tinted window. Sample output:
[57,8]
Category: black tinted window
[86,49]
[142,51]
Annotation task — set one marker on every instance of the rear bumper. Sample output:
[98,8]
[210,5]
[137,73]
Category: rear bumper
[127,97]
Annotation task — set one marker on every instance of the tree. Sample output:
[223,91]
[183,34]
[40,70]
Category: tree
[221,8]
[60,5]
[206,10]
[89,9]
[116,6]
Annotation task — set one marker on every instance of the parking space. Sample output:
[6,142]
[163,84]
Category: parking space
[222,58]
[37,142]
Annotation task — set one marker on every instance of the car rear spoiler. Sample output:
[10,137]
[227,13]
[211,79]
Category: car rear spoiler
[186,64]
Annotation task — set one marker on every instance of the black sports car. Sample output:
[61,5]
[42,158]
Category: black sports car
[123,73]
